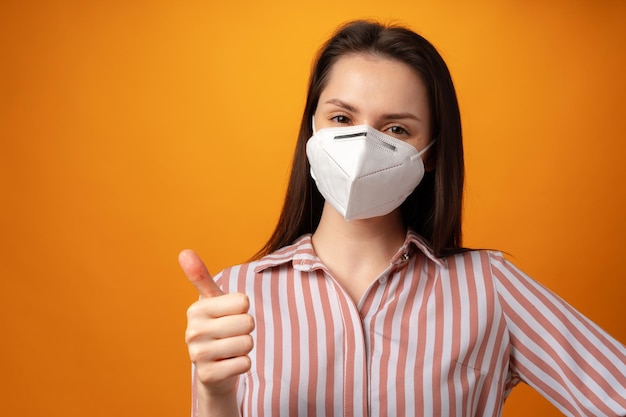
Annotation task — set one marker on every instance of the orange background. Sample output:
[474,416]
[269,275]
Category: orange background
[133,129]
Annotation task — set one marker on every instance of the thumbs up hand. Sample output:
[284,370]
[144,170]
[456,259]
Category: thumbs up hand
[218,330]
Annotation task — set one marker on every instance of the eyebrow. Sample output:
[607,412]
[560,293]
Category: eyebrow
[390,116]
[342,104]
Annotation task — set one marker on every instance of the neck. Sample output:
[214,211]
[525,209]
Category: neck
[356,252]
[387,229]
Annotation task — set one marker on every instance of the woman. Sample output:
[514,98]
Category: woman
[364,302]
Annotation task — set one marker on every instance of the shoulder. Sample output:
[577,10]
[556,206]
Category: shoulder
[483,267]
[473,258]
[507,280]
[460,256]
[234,278]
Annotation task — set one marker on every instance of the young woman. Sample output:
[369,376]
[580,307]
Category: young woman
[364,302]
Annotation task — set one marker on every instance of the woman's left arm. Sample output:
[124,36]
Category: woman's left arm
[558,351]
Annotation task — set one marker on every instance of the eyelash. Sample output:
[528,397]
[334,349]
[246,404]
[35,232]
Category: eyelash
[403,130]
[338,116]
[343,119]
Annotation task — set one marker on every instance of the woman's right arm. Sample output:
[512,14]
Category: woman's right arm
[218,338]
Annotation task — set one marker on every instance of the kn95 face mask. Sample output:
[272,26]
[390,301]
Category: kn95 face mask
[363,172]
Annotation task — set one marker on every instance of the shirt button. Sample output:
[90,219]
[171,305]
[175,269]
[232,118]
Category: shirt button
[383,280]
[404,257]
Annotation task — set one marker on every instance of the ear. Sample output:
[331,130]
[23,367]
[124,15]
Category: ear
[430,159]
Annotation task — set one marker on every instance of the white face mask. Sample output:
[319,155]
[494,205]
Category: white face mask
[363,172]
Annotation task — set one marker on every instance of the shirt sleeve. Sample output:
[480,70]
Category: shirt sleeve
[555,349]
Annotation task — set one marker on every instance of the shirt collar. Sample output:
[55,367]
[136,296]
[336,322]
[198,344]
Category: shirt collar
[412,238]
[303,258]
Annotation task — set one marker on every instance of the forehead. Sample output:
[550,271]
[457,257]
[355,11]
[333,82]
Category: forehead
[365,77]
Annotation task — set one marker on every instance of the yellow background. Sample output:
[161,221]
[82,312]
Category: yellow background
[133,129]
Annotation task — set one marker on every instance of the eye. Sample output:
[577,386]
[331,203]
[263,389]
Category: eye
[397,130]
[340,118]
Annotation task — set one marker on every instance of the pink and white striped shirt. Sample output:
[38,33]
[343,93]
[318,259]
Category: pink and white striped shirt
[431,337]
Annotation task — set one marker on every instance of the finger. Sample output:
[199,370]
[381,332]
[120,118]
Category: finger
[200,329]
[231,326]
[198,275]
[231,347]
[225,305]
[206,353]
[216,372]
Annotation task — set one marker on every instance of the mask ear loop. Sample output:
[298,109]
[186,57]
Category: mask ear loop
[311,185]
[423,151]
[310,207]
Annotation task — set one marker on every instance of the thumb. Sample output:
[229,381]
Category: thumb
[197,273]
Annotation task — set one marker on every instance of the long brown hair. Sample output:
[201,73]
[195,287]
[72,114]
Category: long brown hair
[434,208]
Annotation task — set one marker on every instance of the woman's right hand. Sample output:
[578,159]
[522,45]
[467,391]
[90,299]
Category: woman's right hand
[218,332]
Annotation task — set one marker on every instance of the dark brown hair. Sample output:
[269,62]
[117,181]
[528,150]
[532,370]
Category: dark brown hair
[434,208]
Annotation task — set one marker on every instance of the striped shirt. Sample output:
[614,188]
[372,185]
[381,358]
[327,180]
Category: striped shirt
[430,337]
